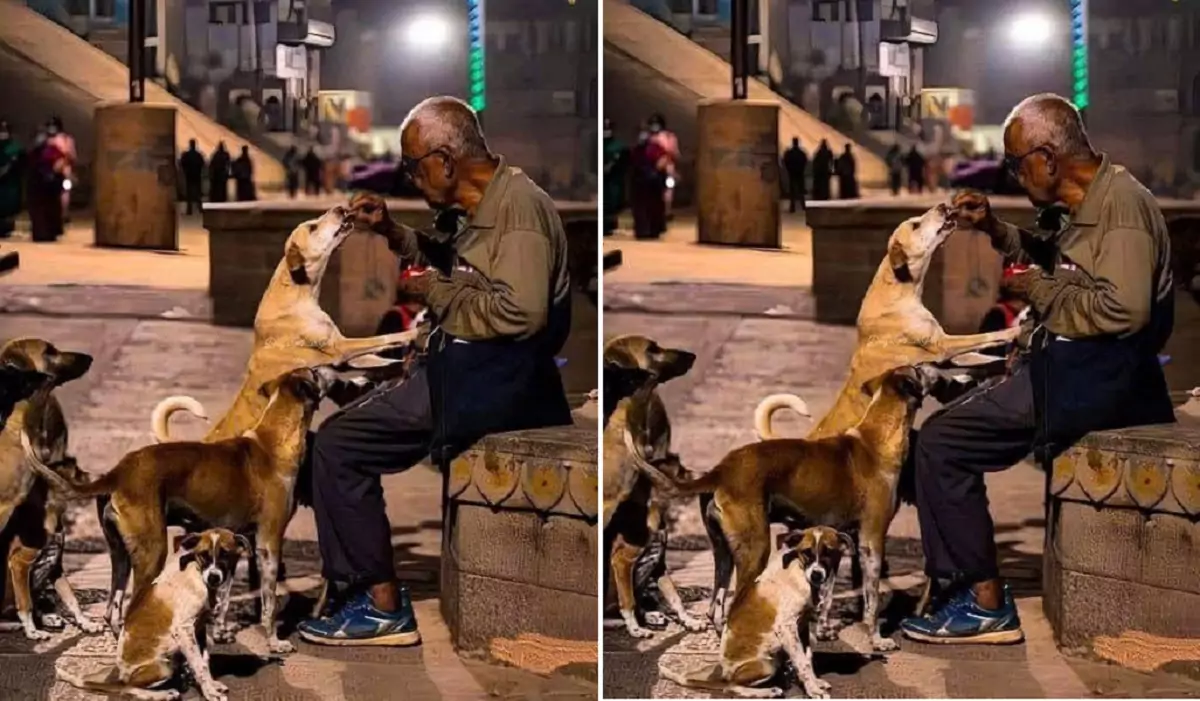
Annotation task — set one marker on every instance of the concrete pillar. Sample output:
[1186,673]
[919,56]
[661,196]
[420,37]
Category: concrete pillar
[135,176]
[737,173]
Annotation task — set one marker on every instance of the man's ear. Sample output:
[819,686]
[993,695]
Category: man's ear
[898,260]
[295,265]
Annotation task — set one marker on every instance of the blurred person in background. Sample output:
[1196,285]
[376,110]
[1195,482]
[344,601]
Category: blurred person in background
[616,171]
[795,164]
[218,174]
[65,143]
[822,172]
[847,174]
[291,170]
[895,168]
[243,177]
[11,160]
[916,170]
[667,153]
[192,165]
[313,166]
[45,186]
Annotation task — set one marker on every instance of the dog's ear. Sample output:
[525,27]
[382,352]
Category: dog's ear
[268,388]
[187,546]
[848,545]
[23,382]
[295,265]
[898,260]
[873,385]
[243,544]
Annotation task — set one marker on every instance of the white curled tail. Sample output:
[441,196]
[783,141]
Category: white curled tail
[161,416]
[768,406]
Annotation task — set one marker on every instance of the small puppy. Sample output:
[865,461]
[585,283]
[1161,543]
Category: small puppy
[244,484]
[169,620]
[769,621]
[634,512]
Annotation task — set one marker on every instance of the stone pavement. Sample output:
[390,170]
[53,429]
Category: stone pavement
[745,355]
[148,344]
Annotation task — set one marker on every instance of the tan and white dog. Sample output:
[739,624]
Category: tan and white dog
[168,620]
[895,329]
[291,331]
[769,621]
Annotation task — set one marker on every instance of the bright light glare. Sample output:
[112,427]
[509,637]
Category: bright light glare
[1031,30]
[428,32]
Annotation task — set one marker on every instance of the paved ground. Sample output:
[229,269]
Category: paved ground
[748,348]
[140,357]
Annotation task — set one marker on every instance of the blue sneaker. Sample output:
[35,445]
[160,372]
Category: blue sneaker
[358,622]
[960,621]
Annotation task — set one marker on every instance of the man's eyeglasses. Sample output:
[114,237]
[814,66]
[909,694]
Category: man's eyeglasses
[409,165]
[1012,164]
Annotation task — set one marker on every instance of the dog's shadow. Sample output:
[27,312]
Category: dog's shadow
[842,663]
[237,665]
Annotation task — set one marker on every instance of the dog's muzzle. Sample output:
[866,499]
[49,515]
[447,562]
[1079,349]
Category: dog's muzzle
[816,577]
[213,578]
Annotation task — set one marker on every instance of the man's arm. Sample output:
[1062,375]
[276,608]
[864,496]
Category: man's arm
[515,302]
[1117,299]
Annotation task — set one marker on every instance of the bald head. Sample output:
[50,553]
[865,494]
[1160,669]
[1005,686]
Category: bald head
[447,123]
[1048,121]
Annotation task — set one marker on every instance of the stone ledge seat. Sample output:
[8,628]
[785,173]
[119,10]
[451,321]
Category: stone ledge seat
[1123,538]
[519,550]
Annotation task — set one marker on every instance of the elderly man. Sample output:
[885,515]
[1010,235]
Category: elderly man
[1100,292]
[498,294]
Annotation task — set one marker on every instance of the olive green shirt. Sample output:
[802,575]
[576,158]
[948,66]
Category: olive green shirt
[1118,243]
[510,267]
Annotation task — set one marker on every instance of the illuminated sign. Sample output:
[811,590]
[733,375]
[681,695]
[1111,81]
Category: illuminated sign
[1079,52]
[476,77]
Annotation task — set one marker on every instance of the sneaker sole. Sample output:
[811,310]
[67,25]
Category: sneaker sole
[999,637]
[392,640]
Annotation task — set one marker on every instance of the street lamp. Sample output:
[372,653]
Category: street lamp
[1031,31]
[428,32]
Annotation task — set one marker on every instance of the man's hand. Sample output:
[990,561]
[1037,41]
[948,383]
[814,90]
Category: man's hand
[370,212]
[1021,284]
[975,211]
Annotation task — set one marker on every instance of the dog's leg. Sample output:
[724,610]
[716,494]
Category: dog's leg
[624,558]
[800,655]
[223,631]
[347,349]
[66,594]
[185,638]
[748,677]
[20,560]
[870,551]
[749,537]
[119,565]
[269,550]
[826,629]
[722,562]
[671,595]
[954,345]
[926,598]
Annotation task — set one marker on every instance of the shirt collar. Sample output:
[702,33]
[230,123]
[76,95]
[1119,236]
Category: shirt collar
[1089,210]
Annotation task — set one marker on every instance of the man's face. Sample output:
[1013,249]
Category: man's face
[430,168]
[1033,165]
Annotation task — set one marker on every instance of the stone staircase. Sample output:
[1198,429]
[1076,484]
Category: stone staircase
[45,70]
[650,67]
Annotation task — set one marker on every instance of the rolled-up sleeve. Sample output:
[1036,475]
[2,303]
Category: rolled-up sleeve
[514,302]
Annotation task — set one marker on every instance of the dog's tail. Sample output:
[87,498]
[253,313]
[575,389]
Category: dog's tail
[68,488]
[767,408]
[670,485]
[161,416]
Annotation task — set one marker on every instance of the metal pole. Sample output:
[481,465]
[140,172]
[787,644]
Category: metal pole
[137,51]
[739,47]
